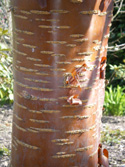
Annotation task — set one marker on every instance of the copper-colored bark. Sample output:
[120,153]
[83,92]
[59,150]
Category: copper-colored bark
[59,53]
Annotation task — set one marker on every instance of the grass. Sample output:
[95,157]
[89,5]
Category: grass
[114,103]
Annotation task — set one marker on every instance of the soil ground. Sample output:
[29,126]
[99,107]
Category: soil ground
[113,137]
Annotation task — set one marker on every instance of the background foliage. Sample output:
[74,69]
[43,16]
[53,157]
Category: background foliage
[115,76]
[6,76]
[115,72]
[116,51]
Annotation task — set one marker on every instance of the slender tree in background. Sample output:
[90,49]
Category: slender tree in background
[59,50]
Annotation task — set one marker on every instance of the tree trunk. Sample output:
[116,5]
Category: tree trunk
[59,49]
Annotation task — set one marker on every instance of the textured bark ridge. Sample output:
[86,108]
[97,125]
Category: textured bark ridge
[59,49]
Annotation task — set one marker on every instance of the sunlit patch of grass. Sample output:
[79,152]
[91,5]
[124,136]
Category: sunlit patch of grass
[110,136]
[4,151]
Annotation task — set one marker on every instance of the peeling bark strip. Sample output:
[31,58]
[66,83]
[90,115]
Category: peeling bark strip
[59,60]
[103,156]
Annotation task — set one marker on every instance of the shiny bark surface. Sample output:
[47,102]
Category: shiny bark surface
[59,50]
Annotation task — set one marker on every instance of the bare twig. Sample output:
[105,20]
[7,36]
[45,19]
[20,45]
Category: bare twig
[117,40]
[118,10]
[116,48]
